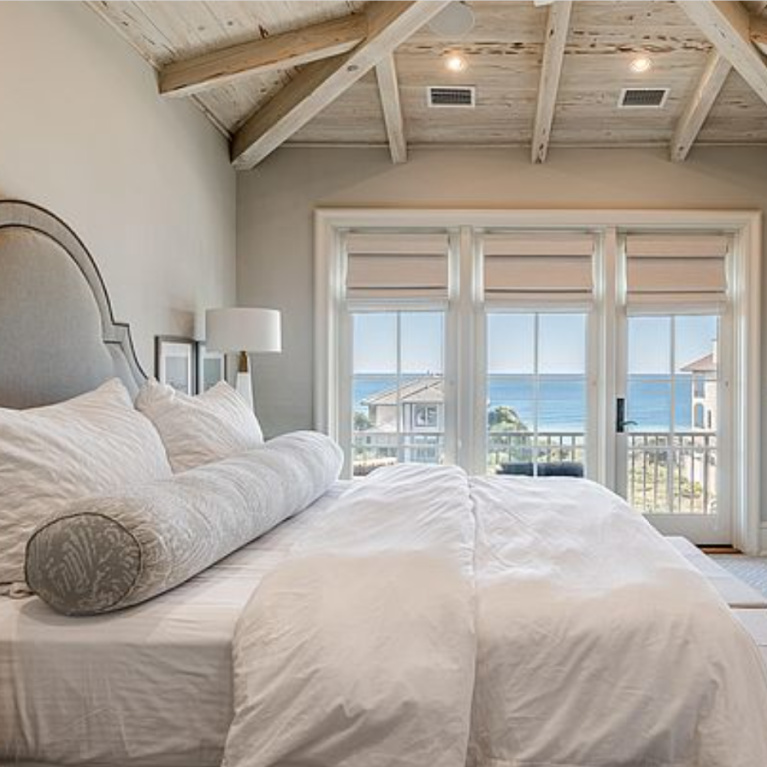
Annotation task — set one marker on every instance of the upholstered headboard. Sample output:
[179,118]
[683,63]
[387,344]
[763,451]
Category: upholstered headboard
[58,337]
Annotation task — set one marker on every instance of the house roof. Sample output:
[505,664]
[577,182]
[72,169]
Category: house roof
[425,390]
[343,72]
[705,364]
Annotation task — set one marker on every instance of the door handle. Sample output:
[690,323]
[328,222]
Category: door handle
[620,416]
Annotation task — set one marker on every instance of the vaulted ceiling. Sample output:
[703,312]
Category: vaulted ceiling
[546,74]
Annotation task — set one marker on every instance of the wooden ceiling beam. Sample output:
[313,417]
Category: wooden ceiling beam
[288,49]
[553,58]
[756,7]
[388,90]
[318,84]
[759,33]
[727,25]
[700,104]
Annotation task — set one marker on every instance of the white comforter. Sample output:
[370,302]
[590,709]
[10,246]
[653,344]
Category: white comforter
[360,650]
[598,644]
[595,644]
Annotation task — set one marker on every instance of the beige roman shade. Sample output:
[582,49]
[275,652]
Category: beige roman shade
[676,268]
[412,265]
[529,265]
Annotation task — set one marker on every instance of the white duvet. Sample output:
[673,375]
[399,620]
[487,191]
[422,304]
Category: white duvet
[359,651]
[435,620]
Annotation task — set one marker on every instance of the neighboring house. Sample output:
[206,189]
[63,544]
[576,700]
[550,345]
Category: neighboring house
[418,406]
[419,403]
[704,392]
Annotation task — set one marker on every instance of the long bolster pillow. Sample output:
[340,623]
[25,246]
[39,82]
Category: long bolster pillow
[112,551]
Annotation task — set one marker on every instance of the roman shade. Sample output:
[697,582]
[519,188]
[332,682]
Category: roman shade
[411,265]
[677,268]
[535,265]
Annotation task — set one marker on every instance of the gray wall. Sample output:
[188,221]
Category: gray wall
[146,183]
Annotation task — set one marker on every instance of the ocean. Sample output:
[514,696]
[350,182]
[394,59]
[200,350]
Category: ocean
[562,399]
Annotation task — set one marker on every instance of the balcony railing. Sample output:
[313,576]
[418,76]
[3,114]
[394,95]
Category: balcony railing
[666,474]
[372,448]
[505,447]
[672,474]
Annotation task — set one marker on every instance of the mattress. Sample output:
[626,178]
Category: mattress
[98,691]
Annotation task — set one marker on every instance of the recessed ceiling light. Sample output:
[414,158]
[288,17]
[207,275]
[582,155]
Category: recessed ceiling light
[455,62]
[641,64]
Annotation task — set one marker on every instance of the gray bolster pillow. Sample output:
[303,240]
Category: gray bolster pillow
[108,552]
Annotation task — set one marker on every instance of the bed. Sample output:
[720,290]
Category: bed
[105,687]
[420,617]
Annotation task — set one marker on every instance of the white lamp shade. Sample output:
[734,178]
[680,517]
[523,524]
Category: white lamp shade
[243,329]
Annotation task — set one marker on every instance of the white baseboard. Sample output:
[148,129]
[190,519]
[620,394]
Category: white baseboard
[763,540]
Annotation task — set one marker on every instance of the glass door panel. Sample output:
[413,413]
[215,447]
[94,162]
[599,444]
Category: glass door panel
[671,439]
[397,388]
[536,393]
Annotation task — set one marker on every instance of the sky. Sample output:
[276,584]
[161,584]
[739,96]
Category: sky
[511,343]
[375,342]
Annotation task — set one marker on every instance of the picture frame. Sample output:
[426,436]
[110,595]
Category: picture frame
[175,362]
[212,367]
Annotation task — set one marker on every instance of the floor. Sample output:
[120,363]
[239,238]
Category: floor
[751,570]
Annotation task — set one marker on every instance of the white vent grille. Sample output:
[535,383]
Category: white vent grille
[451,96]
[643,98]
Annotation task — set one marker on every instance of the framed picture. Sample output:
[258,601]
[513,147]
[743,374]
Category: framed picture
[211,367]
[175,362]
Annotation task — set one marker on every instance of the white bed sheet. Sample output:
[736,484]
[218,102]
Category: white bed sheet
[114,690]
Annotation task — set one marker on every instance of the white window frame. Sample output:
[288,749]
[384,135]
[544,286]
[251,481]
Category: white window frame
[466,324]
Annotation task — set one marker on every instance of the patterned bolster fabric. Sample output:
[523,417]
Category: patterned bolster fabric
[108,552]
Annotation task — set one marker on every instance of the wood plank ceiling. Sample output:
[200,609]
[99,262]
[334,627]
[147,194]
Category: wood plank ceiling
[365,67]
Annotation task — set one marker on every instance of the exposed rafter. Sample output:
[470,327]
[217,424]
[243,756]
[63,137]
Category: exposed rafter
[756,6]
[699,106]
[728,26]
[289,49]
[759,33]
[389,24]
[553,58]
[388,90]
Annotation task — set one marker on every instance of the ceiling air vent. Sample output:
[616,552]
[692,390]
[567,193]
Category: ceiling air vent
[648,98]
[451,96]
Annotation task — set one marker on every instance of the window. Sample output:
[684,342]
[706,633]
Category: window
[536,392]
[534,334]
[677,290]
[398,365]
[672,447]
[396,289]
[426,416]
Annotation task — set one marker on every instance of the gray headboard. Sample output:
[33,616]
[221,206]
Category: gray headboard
[58,337]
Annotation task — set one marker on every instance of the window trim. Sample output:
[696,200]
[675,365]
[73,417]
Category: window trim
[463,310]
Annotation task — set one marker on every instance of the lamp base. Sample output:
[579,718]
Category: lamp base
[244,387]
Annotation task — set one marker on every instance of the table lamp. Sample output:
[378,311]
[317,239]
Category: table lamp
[243,330]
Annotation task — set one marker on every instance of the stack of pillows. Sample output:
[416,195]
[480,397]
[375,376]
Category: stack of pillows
[104,504]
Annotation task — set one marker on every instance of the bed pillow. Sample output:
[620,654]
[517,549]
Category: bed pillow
[50,456]
[105,553]
[198,430]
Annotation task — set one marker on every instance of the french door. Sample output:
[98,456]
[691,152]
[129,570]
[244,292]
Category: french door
[674,460]
[622,347]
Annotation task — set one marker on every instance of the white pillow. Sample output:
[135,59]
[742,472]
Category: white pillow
[51,456]
[198,430]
